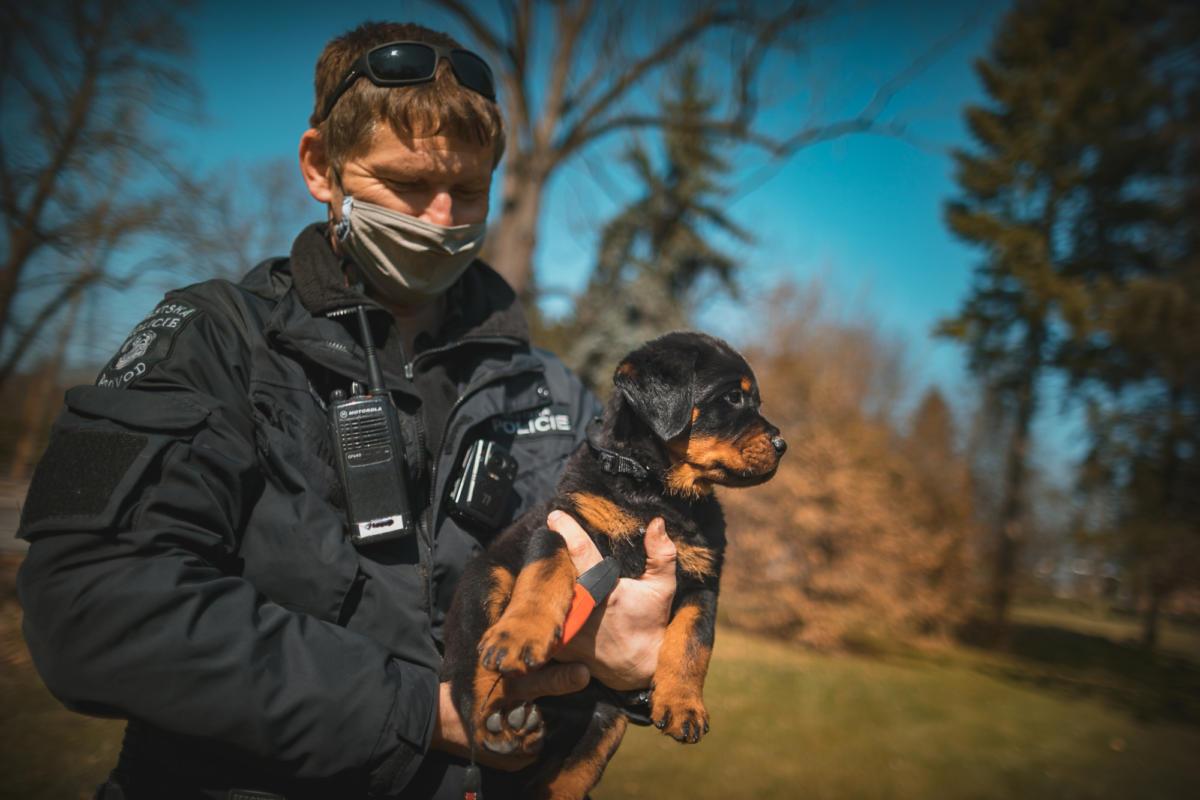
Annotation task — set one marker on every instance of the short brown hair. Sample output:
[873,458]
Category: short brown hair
[442,106]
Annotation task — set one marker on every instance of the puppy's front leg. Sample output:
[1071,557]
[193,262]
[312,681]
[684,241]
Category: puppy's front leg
[677,703]
[531,626]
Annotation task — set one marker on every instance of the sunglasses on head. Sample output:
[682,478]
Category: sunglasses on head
[406,63]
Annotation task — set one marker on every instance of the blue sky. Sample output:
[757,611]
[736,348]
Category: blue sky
[862,213]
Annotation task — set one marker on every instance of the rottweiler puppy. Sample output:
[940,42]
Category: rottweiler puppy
[684,417]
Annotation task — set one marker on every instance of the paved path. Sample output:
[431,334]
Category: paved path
[12,495]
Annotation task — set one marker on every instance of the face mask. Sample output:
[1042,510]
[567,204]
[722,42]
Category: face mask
[405,259]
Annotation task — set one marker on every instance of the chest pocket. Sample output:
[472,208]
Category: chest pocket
[295,550]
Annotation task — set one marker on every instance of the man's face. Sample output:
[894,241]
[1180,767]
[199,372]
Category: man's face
[434,178]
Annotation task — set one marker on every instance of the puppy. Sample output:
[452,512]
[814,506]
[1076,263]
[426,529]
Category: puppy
[684,417]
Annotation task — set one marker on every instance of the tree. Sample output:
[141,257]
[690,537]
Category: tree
[596,71]
[862,533]
[1076,196]
[1020,191]
[235,217]
[656,251]
[81,179]
[1133,321]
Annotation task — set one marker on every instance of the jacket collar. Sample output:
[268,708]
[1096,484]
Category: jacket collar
[479,305]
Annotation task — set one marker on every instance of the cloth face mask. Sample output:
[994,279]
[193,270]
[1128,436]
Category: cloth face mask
[405,259]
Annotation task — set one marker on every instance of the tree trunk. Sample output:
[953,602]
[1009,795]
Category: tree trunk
[510,249]
[1009,527]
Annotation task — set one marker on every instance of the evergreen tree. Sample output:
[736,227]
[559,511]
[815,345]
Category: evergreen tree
[1016,188]
[1134,325]
[1069,196]
[656,254]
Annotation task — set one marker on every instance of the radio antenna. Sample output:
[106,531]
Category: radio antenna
[374,373]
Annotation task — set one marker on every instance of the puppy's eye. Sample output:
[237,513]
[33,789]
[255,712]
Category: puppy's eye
[735,398]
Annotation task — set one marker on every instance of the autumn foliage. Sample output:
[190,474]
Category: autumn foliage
[863,534]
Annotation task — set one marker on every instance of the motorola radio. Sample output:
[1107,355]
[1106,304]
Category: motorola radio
[370,455]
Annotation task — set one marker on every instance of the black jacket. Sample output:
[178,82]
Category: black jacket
[188,568]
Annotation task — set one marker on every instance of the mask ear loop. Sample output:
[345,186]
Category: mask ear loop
[342,228]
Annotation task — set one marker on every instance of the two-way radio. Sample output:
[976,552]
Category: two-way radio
[370,454]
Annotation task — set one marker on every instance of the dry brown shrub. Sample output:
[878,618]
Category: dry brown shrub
[12,643]
[862,534]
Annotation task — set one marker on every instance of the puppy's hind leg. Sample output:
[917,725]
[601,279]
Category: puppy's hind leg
[581,771]
[531,625]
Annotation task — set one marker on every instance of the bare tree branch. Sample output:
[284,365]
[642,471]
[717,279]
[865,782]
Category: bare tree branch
[81,118]
[579,132]
[569,28]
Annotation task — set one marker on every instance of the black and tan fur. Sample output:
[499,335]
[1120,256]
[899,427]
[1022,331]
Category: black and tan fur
[686,407]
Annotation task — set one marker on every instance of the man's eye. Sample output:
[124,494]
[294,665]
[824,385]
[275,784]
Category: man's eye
[735,398]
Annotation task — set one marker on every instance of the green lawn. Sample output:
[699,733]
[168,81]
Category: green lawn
[1069,712]
[1064,715]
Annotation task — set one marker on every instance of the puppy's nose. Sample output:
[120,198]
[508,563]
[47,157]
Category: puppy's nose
[779,444]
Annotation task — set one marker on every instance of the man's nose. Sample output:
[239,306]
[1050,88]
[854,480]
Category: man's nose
[440,210]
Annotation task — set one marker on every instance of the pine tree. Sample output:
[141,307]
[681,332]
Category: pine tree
[1134,347]
[1015,186]
[1067,194]
[656,254]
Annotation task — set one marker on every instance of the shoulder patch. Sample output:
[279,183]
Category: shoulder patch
[150,342]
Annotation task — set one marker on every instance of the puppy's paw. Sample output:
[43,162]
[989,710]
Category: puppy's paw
[682,716]
[519,730]
[518,645]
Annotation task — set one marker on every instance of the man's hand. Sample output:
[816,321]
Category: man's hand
[619,643]
[450,735]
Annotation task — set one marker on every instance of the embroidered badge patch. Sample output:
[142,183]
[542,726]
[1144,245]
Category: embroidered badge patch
[149,343]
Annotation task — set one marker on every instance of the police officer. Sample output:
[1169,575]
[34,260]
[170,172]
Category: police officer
[188,567]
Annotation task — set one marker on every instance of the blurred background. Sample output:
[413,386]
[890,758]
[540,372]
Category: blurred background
[960,245]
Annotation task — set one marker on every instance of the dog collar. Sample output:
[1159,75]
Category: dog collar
[613,462]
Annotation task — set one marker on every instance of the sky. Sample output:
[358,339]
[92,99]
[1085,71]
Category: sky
[861,214]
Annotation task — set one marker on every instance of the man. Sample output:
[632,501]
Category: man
[189,568]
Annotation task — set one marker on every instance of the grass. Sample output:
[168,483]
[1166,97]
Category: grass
[1063,714]
[1070,711]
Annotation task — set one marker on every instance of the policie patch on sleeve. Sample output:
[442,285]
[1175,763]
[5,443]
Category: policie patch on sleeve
[149,343]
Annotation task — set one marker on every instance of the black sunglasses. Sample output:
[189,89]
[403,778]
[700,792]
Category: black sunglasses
[406,63]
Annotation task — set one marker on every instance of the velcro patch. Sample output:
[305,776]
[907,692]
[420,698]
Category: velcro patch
[148,344]
[550,419]
[79,473]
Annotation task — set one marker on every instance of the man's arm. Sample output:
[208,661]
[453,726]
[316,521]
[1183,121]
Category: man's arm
[133,607]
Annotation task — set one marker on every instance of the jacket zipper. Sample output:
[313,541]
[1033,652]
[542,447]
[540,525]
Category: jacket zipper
[426,530]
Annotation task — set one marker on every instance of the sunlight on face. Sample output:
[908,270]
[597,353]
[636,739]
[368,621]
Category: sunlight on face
[438,179]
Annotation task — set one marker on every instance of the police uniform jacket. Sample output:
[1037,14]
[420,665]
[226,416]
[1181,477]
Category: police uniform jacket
[188,567]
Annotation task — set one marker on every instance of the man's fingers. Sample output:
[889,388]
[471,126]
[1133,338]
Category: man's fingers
[660,554]
[580,546]
[549,681]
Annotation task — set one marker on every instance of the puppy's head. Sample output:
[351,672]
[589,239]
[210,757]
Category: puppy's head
[698,397]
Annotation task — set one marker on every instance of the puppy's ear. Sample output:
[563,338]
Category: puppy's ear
[657,384]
